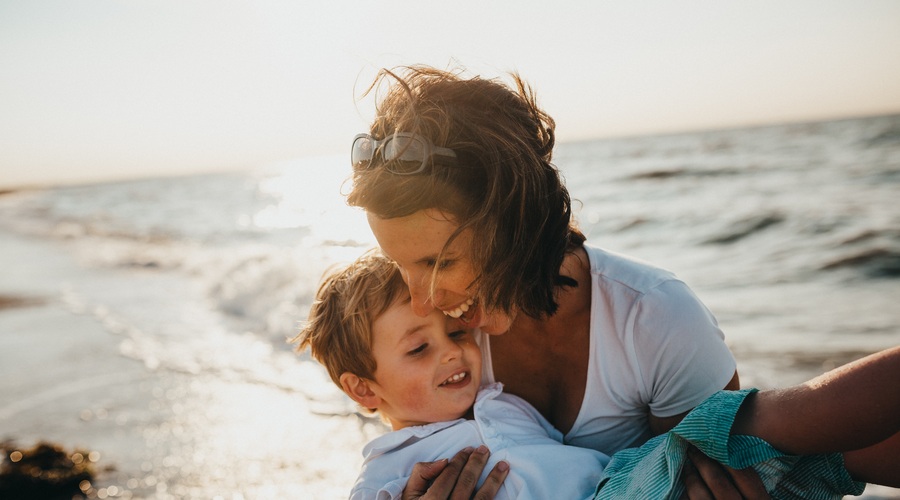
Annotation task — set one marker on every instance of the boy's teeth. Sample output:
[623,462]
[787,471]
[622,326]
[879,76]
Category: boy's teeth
[454,379]
[464,307]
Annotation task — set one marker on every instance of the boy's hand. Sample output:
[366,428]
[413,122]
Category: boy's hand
[455,479]
[704,478]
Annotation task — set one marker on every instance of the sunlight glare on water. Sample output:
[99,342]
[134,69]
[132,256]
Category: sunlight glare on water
[309,194]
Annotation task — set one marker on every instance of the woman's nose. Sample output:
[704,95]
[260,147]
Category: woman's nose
[419,293]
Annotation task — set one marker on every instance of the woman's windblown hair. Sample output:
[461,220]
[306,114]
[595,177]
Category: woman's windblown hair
[502,186]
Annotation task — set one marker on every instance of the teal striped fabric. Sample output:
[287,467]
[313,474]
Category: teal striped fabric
[654,470]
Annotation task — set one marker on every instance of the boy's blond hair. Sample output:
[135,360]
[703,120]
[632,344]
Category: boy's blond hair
[349,300]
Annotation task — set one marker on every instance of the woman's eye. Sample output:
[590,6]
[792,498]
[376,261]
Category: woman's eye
[444,264]
[417,350]
[458,335]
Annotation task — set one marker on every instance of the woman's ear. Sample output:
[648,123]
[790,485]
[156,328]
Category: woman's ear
[359,390]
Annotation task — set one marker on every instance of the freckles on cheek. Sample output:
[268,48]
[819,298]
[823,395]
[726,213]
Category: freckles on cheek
[458,283]
[414,401]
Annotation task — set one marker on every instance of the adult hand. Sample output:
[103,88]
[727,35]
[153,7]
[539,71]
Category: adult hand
[455,479]
[706,479]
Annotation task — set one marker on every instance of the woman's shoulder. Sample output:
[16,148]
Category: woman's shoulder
[617,269]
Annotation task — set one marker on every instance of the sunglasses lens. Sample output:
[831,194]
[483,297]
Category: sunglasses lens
[362,151]
[400,153]
[404,149]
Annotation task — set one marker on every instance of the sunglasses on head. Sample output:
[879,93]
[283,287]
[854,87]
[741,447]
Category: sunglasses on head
[402,153]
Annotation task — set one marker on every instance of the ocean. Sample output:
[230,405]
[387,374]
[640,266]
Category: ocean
[149,320]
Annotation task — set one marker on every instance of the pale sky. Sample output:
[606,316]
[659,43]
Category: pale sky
[108,89]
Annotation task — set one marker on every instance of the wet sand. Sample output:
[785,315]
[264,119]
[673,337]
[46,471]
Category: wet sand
[158,434]
[163,435]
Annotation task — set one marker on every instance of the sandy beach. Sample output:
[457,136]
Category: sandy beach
[159,433]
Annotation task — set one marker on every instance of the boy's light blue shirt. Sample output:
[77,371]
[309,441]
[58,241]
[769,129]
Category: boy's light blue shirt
[540,466]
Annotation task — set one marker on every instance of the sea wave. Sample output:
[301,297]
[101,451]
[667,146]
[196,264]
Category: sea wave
[878,262]
[744,228]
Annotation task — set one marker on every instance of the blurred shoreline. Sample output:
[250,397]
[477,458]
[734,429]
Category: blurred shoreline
[159,434]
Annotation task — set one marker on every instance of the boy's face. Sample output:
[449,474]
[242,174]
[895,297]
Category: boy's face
[426,372]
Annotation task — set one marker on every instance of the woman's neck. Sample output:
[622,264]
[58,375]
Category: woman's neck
[544,360]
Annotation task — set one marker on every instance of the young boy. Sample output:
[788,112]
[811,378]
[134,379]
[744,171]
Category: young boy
[423,379]
[423,376]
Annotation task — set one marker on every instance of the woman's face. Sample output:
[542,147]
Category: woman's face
[414,243]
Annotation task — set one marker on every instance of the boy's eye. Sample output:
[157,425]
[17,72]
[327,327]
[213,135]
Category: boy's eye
[417,350]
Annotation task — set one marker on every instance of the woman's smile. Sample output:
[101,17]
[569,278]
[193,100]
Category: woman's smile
[460,309]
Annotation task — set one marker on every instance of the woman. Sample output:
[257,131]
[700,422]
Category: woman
[456,180]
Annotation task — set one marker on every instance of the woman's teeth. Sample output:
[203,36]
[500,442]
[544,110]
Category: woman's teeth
[456,313]
[454,379]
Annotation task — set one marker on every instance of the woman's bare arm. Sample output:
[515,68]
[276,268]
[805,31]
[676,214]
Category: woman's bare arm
[855,407]
[851,407]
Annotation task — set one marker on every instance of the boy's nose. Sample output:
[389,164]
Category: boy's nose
[452,351]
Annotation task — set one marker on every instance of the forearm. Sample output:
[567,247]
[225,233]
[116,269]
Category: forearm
[850,407]
[879,464]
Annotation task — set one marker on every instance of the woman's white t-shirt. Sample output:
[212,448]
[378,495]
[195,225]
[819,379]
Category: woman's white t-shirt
[655,348]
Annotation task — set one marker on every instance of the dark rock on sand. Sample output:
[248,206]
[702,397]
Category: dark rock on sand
[14,301]
[44,471]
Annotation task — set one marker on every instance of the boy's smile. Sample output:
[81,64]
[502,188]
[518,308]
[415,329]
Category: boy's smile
[425,371]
